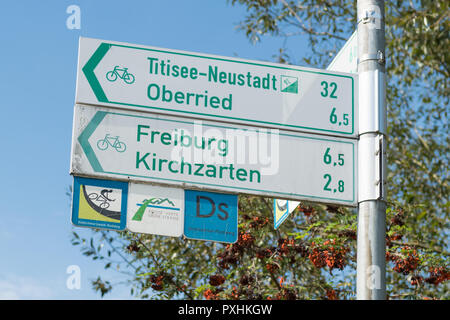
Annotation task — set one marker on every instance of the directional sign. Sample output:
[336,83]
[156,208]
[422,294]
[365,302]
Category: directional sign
[155,210]
[211,216]
[217,88]
[347,58]
[136,146]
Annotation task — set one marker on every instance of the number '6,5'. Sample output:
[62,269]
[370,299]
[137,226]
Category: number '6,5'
[325,87]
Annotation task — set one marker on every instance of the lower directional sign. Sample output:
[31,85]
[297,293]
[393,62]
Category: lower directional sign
[213,156]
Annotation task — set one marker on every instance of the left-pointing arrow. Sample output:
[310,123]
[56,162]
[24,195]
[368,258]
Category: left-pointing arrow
[83,139]
[88,71]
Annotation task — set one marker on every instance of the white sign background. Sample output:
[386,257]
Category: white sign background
[310,110]
[300,174]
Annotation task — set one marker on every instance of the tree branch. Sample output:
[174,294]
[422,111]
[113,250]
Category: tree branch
[306,29]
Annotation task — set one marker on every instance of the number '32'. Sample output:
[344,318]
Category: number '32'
[326,87]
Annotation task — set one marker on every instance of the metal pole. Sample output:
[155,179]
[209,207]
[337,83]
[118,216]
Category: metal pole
[371,247]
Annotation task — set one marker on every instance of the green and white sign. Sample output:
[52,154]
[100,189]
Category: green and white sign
[346,59]
[155,210]
[199,154]
[217,88]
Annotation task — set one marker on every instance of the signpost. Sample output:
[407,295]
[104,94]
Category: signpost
[187,84]
[186,120]
[127,145]
[371,245]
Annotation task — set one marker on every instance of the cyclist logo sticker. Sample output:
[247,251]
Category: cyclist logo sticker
[111,141]
[99,203]
[120,73]
[106,202]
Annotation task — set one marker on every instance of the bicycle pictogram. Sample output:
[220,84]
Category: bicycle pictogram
[112,141]
[121,73]
[102,199]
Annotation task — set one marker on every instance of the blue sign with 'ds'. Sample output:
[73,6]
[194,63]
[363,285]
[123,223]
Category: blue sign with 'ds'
[211,216]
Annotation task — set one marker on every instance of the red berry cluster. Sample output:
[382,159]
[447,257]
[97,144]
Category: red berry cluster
[133,247]
[350,234]
[264,253]
[286,294]
[229,256]
[416,280]
[272,267]
[289,248]
[245,289]
[157,282]
[438,275]
[404,264]
[333,209]
[329,254]
[235,293]
[307,210]
[285,245]
[399,218]
[332,294]
[258,223]
[246,280]
[216,280]
[394,237]
[210,295]
[245,239]
[255,222]
[233,252]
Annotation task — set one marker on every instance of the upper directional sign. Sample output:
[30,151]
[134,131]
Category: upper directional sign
[217,88]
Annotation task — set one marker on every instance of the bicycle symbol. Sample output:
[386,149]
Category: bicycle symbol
[121,73]
[114,142]
[102,198]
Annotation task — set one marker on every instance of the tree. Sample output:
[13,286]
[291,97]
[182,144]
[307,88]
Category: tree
[312,255]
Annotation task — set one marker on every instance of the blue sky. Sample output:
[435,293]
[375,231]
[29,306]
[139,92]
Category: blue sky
[39,61]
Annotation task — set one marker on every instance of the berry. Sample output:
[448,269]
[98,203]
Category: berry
[216,280]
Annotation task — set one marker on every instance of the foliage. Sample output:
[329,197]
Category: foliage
[312,255]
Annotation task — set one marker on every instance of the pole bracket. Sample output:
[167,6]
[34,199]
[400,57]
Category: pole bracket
[371,162]
[378,57]
[372,16]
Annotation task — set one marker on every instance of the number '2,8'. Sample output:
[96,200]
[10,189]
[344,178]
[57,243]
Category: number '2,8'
[327,186]
[325,87]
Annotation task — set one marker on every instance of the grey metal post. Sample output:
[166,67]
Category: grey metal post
[371,248]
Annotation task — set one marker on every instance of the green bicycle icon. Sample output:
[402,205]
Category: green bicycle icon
[120,73]
[114,142]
